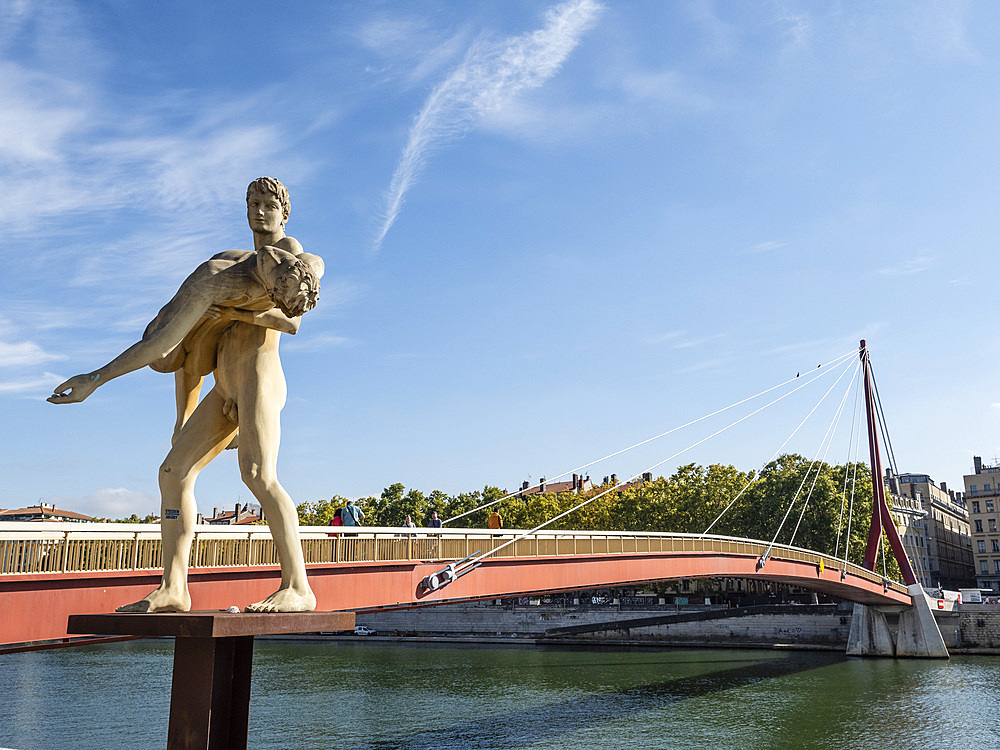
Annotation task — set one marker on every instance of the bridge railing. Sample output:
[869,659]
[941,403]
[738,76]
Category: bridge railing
[33,548]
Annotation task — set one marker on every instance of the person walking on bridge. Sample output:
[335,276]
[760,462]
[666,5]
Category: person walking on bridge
[495,521]
[352,514]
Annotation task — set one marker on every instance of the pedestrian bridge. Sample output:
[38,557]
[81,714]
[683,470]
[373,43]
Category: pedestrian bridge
[49,571]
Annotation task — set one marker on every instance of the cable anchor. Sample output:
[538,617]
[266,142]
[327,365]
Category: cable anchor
[450,572]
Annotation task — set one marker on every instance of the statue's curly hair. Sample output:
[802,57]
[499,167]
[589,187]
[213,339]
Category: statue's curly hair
[269,185]
[296,290]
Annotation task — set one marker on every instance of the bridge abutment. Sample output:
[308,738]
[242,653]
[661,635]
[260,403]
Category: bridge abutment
[889,631]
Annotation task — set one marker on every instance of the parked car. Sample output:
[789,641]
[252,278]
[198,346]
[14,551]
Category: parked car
[363,630]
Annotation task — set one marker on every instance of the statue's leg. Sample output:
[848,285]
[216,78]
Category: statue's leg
[260,432]
[202,438]
[187,389]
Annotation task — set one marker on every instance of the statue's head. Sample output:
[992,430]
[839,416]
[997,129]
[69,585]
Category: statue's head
[292,281]
[271,186]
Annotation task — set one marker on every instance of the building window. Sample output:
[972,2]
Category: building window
[993,524]
[982,545]
[996,566]
[996,545]
[979,526]
[986,487]
[972,488]
[975,503]
[984,567]
[989,506]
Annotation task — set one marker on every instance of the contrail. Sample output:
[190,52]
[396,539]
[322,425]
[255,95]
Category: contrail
[490,76]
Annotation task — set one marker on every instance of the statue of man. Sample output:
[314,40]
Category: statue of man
[226,319]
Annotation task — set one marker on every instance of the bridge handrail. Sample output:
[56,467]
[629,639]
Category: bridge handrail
[60,547]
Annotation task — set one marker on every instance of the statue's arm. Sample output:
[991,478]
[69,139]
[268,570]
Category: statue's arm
[272,318]
[175,320]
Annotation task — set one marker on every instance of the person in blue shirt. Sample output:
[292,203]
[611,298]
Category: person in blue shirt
[352,514]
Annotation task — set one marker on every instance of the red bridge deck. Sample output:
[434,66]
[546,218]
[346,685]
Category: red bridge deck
[378,568]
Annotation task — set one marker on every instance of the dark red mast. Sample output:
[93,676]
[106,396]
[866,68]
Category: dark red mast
[881,518]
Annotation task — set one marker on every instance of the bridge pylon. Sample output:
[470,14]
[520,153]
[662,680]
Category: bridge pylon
[890,631]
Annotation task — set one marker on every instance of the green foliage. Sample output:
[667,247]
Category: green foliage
[321,512]
[788,495]
[134,519]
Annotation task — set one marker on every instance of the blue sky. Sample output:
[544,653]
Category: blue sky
[551,230]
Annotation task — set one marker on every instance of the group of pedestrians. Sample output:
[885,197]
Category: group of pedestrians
[352,515]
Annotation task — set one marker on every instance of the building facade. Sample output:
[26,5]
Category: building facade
[42,512]
[910,517]
[982,488]
[948,562]
[238,516]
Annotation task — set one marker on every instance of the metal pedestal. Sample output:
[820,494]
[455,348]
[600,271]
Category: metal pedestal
[213,659]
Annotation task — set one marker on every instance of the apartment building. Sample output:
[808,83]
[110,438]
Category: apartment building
[982,488]
[948,562]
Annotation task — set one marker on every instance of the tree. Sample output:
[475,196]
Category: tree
[806,504]
[321,512]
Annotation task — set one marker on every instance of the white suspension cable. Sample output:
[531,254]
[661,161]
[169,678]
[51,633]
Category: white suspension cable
[828,439]
[828,365]
[850,444]
[850,509]
[773,455]
[881,546]
[767,552]
[648,469]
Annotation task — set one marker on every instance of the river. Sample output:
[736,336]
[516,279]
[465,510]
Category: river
[383,696]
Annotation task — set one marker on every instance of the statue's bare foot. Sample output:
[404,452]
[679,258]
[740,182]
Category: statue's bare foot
[160,600]
[286,600]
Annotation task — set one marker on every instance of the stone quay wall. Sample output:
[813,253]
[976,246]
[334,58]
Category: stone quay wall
[978,627]
[828,628]
[974,629]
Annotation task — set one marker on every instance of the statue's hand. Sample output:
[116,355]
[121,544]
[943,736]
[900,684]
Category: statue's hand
[74,390]
[229,313]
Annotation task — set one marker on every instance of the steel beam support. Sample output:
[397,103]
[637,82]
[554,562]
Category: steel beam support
[881,517]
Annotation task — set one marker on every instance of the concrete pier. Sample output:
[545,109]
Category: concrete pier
[900,632]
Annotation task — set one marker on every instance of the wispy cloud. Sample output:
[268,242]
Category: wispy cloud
[940,30]
[69,150]
[798,29]
[682,339]
[414,50]
[694,343]
[661,338]
[664,87]
[489,77]
[707,364]
[38,386]
[765,247]
[914,265]
[318,343]
[24,353]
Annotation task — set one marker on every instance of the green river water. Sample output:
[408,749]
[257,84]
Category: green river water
[379,696]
